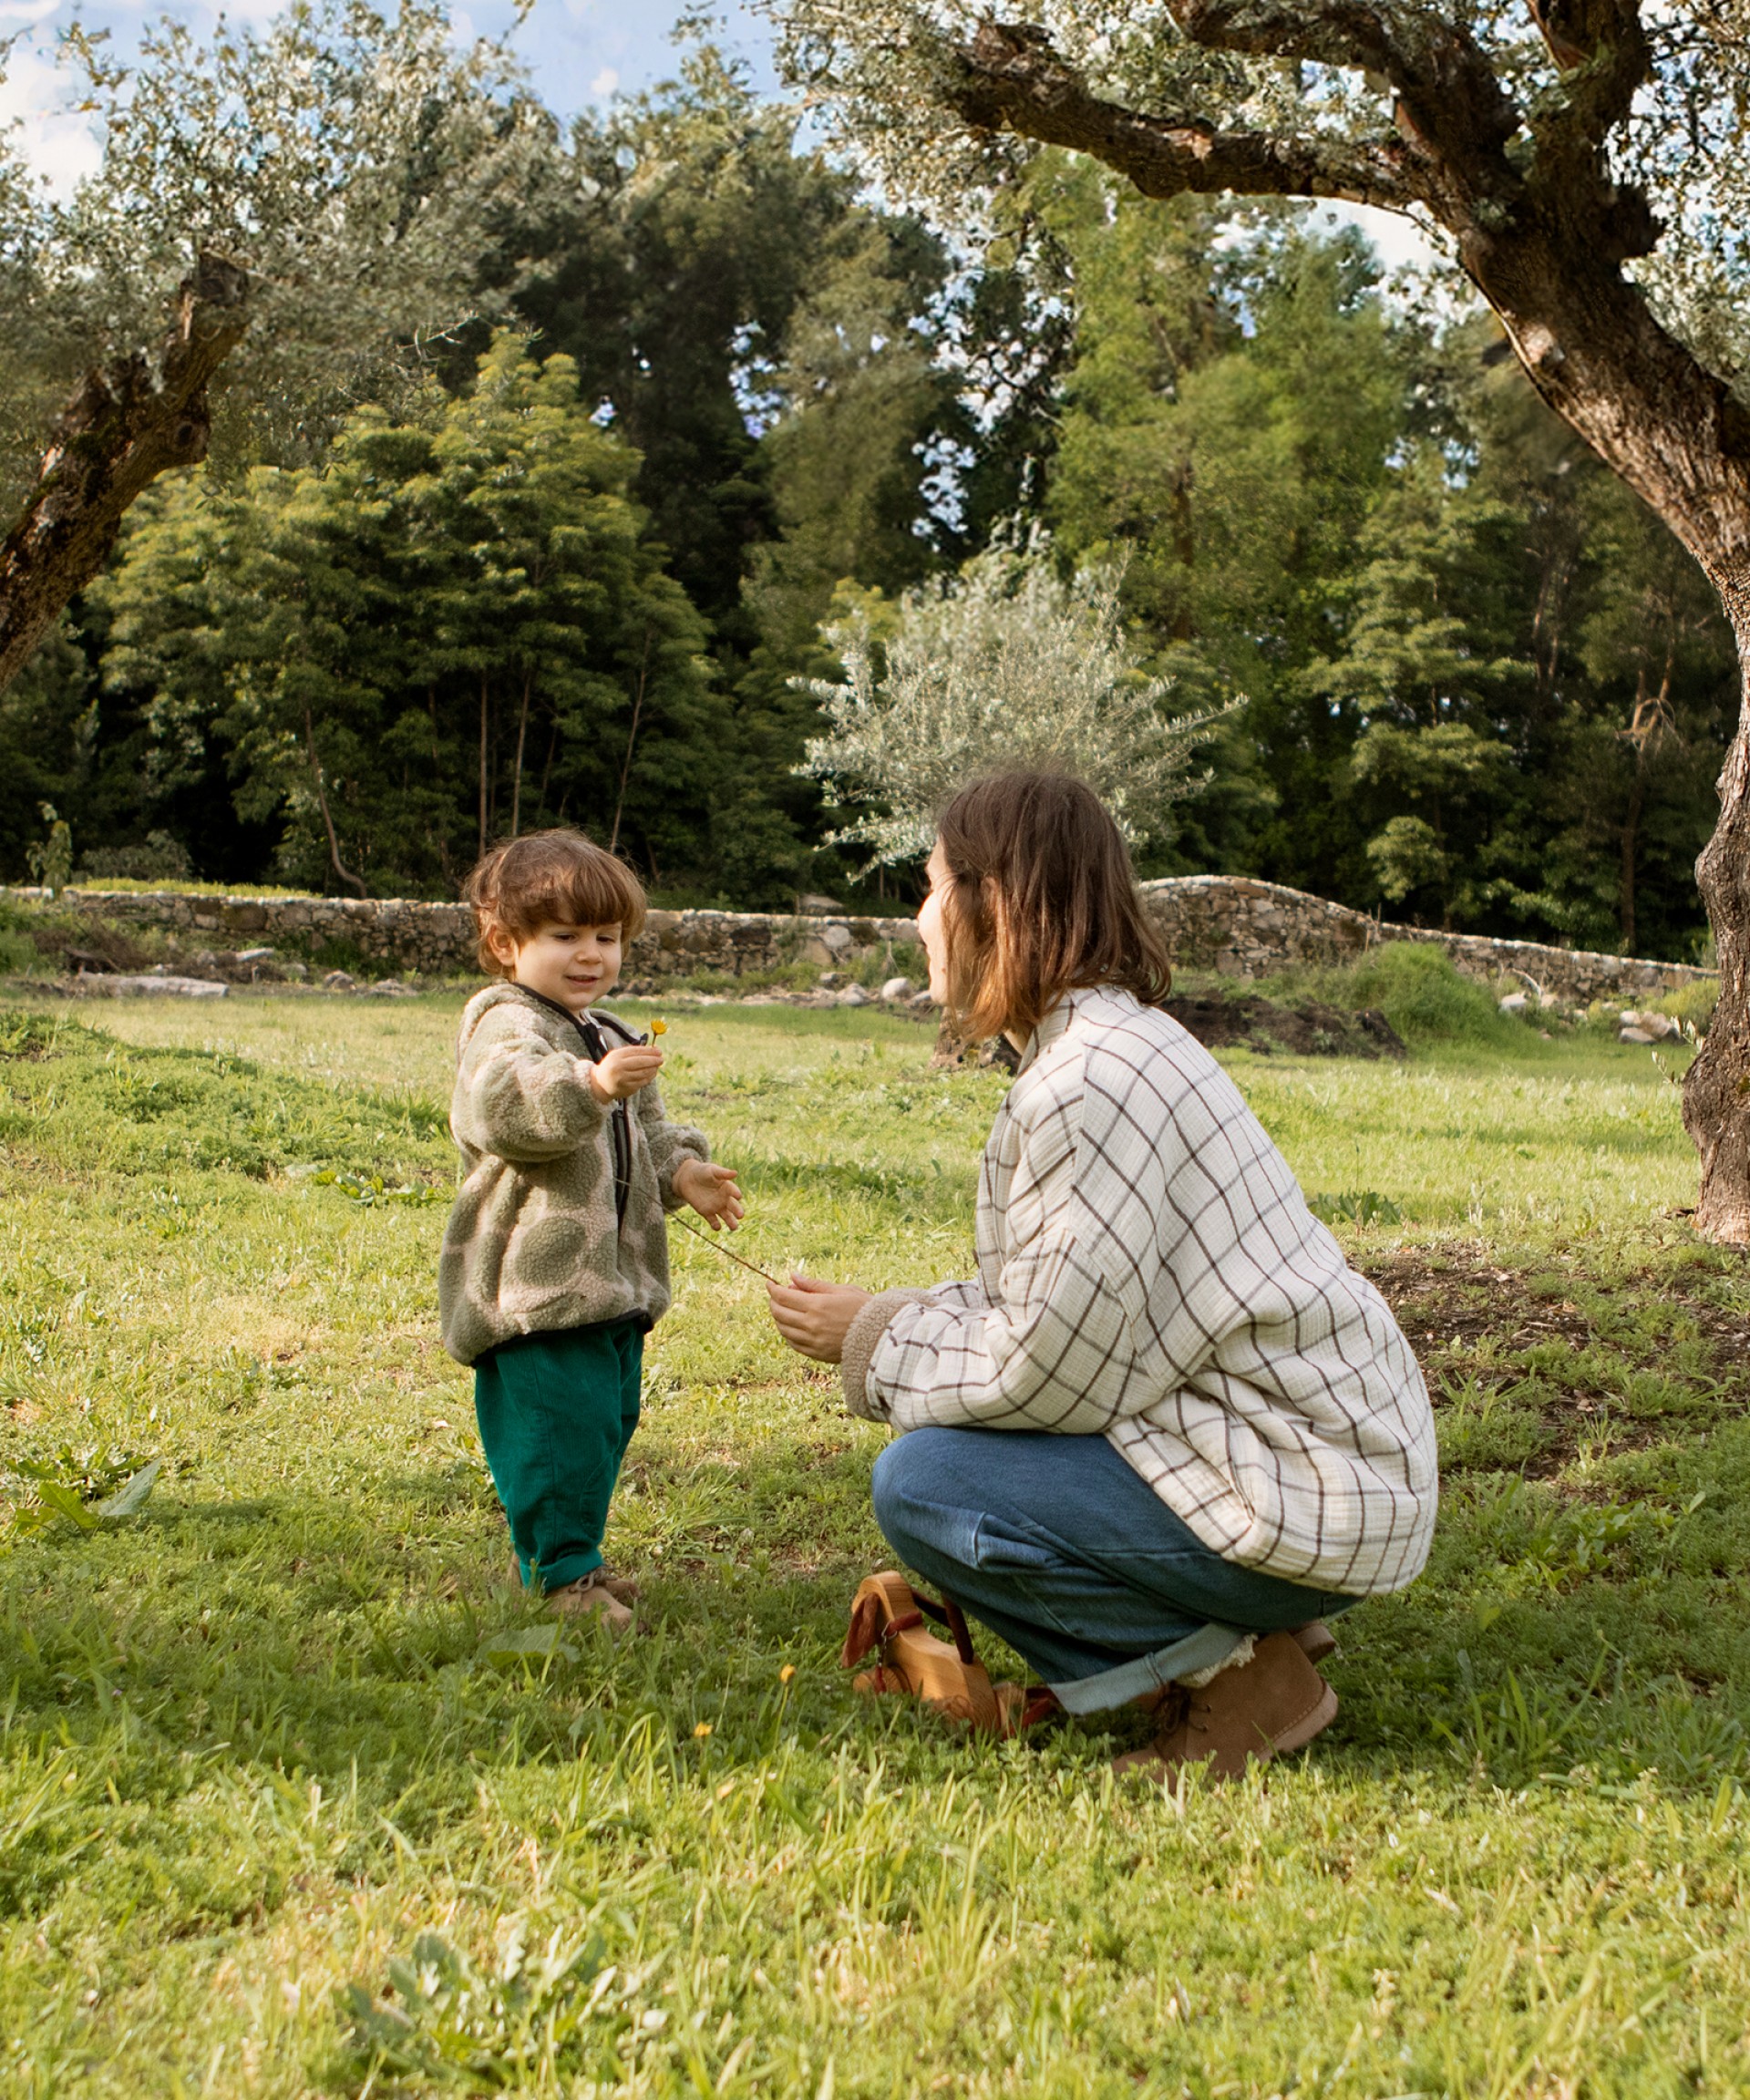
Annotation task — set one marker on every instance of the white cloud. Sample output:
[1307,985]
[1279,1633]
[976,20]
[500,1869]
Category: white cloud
[605,82]
[58,141]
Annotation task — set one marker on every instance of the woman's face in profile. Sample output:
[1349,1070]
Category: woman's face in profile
[932,928]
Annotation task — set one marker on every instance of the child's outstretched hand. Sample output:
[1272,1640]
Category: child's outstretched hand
[712,1192]
[621,1074]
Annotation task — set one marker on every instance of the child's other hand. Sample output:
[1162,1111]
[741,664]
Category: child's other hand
[712,1192]
[621,1074]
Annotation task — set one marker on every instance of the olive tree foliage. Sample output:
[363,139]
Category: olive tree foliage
[1329,98]
[281,217]
[1582,162]
[1007,665]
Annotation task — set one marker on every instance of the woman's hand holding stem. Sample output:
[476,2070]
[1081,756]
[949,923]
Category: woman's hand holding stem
[814,1316]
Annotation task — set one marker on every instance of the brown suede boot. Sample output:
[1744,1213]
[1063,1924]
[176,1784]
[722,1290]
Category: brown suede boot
[588,1599]
[1276,1702]
[1315,1639]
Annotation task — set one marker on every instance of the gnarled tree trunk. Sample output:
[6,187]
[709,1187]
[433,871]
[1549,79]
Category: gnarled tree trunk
[1716,1092]
[1543,230]
[127,424]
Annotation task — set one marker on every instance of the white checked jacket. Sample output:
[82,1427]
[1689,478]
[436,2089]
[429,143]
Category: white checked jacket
[1149,1272]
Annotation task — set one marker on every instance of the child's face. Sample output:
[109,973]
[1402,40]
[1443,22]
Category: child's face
[571,965]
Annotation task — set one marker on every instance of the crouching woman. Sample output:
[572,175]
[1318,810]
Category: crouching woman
[1167,1431]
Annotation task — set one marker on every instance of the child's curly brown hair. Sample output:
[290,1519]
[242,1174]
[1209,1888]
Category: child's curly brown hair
[551,878]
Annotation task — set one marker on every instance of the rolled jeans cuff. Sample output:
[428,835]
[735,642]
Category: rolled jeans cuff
[1210,1646]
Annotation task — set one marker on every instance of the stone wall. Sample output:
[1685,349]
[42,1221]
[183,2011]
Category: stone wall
[1239,927]
[1247,929]
[438,940]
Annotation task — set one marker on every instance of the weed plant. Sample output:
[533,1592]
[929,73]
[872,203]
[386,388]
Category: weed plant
[298,1795]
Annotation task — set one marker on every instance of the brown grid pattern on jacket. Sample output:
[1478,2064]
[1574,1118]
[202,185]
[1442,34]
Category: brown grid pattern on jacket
[1149,1272]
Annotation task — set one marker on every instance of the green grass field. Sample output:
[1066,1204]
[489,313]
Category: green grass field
[299,1795]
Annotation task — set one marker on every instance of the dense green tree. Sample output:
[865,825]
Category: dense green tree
[819,391]
[47,730]
[1635,793]
[1229,418]
[1487,684]
[458,627]
[276,215]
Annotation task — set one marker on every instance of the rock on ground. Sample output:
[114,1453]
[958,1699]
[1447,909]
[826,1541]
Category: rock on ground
[118,987]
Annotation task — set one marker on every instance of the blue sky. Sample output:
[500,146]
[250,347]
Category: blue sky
[578,51]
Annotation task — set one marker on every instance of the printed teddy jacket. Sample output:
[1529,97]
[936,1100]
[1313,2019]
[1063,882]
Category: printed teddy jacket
[534,1240]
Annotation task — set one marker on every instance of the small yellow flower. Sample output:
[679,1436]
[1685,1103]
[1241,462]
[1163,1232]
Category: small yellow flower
[787,1673]
[702,1731]
[658,1028]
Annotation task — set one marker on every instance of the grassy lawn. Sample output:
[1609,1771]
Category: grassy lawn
[298,1795]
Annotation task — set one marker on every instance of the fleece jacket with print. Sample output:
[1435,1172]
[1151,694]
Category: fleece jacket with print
[536,1240]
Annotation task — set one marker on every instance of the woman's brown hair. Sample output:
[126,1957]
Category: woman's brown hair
[558,877]
[1043,901]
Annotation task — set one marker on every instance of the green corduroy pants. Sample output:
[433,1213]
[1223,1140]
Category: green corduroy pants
[557,1412]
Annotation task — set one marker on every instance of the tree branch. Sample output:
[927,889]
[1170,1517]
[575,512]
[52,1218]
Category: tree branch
[127,424]
[1605,55]
[1604,46]
[1010,79]
[1451,103]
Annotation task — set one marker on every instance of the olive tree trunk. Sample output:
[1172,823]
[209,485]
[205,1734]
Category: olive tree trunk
[127,424]
[1717,1091]
[1543,230]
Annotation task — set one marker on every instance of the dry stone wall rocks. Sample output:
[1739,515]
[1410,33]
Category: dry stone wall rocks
[438,940]
[1243,928]
[1232,924]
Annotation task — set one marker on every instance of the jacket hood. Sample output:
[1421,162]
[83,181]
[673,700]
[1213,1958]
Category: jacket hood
[499,994]
[504,994]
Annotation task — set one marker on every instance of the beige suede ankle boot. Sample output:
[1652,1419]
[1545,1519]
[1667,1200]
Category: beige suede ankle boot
[588,1599]
[1274,1703]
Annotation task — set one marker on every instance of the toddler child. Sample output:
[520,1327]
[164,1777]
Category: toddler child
[555,1258]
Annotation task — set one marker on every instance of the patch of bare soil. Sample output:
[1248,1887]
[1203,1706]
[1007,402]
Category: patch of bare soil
[1222,1021]
[1307,1029]
[1457,1293]
[90,946]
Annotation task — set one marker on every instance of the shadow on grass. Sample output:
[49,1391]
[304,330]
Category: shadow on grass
[358,1643]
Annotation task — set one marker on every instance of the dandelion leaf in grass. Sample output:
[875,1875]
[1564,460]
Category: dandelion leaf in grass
[1354,1206]
[374,2027]
[463,2023]
[526,1644]
[64,1502]
[134,1494]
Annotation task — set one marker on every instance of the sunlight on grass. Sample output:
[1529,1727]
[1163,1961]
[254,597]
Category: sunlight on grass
[299,1795]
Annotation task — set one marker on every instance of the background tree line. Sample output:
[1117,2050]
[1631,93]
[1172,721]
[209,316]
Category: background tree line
[580,567]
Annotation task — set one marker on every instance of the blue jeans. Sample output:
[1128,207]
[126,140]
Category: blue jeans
[1057,1545]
